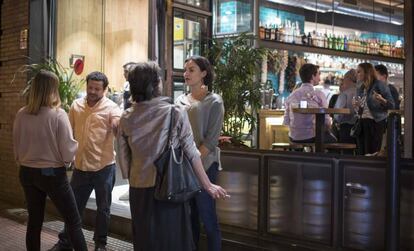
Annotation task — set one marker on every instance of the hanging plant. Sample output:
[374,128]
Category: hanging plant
[283,66]
[275,61]
[291,73]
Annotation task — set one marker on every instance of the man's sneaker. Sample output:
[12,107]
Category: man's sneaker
[125,196]
[58,247]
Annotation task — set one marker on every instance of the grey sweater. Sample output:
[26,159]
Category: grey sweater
[206,119]
[345,101]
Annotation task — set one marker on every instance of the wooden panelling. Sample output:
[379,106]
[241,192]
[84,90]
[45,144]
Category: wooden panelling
[126,37]
[271,129]
[79,31]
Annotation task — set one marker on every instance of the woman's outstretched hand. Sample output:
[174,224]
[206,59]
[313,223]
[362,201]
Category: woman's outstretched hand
[217,192]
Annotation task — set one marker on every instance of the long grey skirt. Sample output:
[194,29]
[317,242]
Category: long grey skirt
[157,225]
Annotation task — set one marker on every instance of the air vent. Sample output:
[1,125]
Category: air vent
[351,2]
[388,10]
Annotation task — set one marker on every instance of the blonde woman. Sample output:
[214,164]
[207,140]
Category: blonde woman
[43,144]
[373,100]
[347,93]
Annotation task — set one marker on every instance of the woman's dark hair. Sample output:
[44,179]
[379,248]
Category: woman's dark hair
[307,71]
[204,65]
[98,76]
[144,79]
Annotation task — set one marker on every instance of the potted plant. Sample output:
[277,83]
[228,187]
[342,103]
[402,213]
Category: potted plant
[237,65]
[69,85]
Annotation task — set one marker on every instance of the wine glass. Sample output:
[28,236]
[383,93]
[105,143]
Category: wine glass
[356,103]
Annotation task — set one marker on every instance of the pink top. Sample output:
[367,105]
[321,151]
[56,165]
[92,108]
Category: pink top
[43,140]
[92,128]
[302,126]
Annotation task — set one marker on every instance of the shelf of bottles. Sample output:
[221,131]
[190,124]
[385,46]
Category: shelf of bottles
[290,33]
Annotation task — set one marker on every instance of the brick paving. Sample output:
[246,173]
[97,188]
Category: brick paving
[13,232]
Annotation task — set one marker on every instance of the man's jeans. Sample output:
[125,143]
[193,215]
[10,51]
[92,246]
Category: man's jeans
[83,183]
[41,182]
[203,207]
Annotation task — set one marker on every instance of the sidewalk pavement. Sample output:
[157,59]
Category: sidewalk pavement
[13,231]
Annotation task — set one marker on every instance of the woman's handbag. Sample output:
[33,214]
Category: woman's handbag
[176,181]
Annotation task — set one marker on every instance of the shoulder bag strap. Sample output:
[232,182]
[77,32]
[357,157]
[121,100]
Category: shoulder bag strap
[169,139]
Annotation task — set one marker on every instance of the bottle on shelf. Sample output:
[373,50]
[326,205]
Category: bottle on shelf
[345,42]
[261,31]
[325,40]
[304,39]
[267,32]
[314,39]
[309,39]
[272,33]
[277,33]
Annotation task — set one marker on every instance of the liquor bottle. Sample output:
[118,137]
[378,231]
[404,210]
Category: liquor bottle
[261,31]
[314,39]
[281,34]
[277,33]
[334,42]
[304,39]
[297,33]
[267,32]
[330,42]
[272,32]
[340,43]
[309,39]
[325,40]
[345,43]
[288,32]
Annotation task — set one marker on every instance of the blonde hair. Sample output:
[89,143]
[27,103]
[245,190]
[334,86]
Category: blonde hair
[44,91]
[351,75]
[369,74]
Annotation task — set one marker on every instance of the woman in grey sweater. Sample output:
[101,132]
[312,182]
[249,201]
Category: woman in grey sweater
[205,111]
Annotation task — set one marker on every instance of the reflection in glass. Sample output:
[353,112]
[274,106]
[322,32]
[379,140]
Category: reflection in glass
[232,16]
[187,36]
[179,88]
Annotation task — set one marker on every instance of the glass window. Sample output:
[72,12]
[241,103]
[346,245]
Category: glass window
[179,88]
[189,33]
[233,16]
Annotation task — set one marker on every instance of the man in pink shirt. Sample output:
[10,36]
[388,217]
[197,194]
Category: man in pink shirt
[302,126]
[94,120]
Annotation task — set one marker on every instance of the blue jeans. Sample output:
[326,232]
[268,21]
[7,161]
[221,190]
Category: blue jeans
[203,207]
[83,183]
[41,182]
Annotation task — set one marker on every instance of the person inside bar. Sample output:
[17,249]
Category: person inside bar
[347,90]
[374,99]
[381,72]
[302,126]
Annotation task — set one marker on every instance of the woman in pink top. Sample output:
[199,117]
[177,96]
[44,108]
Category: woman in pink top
[43,144]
